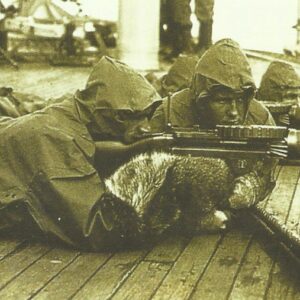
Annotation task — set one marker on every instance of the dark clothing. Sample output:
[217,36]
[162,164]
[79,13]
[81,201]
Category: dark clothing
[180,12]
[176,15]
[3,38]
[67,43]
[172,13]
[183,114]
[23,103]
[204,10]
[178,77]
[48,177]
[276,80]
[279,90]
[48,174]
[9,13]
[222,66]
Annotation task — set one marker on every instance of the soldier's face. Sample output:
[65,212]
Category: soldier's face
[291,96]
[124,124]
[227,108]
[133,125]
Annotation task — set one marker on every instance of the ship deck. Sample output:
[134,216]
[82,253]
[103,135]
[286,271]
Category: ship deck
[243,263]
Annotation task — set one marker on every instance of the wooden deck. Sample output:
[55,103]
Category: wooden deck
[242,264]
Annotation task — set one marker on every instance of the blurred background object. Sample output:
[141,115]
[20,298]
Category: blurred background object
[39,27]
[56,29]
[138,33]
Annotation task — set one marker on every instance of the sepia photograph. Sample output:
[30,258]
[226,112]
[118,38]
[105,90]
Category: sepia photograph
[150,149]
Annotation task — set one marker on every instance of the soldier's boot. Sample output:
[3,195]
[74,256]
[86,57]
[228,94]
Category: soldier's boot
[186,40]
[205,36]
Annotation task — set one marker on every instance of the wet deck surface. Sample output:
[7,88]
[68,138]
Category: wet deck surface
[241,264]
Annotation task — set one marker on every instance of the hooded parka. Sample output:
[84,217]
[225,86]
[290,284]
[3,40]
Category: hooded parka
[48,180]
[222,65]
[278,77]
[279,92]
[178,77]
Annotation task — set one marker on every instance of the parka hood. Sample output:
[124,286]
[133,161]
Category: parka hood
[113,86]
[117,86]
[181,72]
[224,64]
[278,77]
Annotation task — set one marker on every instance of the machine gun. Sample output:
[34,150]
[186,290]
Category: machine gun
[225,141]
[228,141]
[245,142]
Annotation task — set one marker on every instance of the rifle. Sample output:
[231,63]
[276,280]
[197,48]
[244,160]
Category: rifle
[246,142]
[226,141]
[255,141]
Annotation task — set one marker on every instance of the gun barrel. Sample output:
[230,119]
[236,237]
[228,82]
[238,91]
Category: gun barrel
[287,240]
[219,152]
[243,142]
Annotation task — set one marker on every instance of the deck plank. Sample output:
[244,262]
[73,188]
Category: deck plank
[279,202]
[252,279]
[284,278]
[104,283]
[72,278]
[283,203]
[7,246]
[38,274]
[16,263]
[284,281]
[187,270]
[280,205]
[144,281]
[167,250]
[223,267]
[293,221]
[288,174]
[152,269]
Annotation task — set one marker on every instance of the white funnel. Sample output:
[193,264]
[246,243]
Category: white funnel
[138,33]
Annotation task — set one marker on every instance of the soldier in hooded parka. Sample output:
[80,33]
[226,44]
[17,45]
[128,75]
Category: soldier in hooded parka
[222,93]
[279,91]
[49,182]
[178,77]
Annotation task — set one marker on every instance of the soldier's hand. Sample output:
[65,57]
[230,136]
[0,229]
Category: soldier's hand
[243,194]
